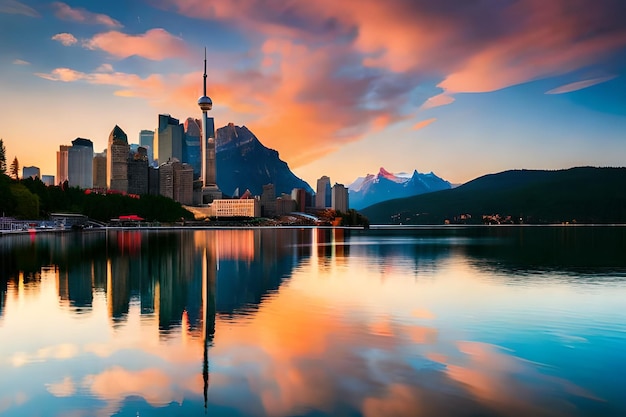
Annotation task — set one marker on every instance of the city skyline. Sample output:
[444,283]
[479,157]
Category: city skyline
[459,89]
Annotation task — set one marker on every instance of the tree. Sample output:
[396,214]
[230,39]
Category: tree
[15,169]
[3,158]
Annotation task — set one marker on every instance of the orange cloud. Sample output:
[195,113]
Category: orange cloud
[579,85]
[155,44]
[423,123]
[67,39]
[65,12]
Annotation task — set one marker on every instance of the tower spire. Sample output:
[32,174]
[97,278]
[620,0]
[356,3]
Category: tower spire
[204,76]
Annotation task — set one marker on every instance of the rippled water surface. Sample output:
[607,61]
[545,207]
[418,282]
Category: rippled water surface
[484,321]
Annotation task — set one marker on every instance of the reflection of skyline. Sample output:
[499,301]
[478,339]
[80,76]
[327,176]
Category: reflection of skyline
[387,327]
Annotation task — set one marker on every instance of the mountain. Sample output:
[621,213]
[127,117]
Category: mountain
[372,189]
[582,195]
[244,163]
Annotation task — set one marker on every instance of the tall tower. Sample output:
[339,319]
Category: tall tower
[210,190]
[117,160]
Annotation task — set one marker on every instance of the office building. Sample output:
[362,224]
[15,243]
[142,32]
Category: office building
[80,163]
[62,171]
[100,171]
[268,201]
[48,180]
[340,198]
[176,181]
[32,172]
[117,161]
[138,176]
[192,152]
[168,139]
[146,139]
[323,197]
[299,196]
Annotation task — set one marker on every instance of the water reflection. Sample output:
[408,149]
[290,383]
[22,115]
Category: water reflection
[281,322]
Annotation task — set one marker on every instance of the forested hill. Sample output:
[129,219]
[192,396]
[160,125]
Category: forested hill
[576,195]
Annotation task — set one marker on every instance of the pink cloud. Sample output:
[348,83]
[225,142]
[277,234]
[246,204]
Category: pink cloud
[65,12]
[15,7]
[442,99]
[155,44]
[579,85]
[423,123]
[66,39]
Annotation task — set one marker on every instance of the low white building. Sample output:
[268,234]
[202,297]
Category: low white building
[246,207]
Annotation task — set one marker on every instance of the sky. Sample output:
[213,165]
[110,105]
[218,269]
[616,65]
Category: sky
[461,88]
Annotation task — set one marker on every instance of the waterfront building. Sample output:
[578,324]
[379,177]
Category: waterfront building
[268,201]
[323,197]
[192,152]
[236,207]
[62,164]
[117,160]
[48,180]
[146,139]
[210,191]
[32,172]
[100,171]
[80,163]
[284,205]
[340,198]
[298,195]
[168,139]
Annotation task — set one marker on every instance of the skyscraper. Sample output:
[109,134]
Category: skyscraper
[210,190]
[169,139]
[146,139]
[80,163]
[100,170]
[62,164]
[192,151]
[340,198]
[323,197]
[117,158]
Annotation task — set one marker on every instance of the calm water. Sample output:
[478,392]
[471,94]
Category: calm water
[487,321]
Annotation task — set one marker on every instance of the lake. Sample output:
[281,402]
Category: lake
[431,321]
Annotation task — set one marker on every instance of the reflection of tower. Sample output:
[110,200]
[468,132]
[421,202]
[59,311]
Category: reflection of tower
[209,267]
[210,190]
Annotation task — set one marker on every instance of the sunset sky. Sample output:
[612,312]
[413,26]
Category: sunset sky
[340,88]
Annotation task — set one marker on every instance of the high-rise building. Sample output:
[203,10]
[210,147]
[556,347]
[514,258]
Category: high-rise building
[299,196]
[146,139]
[117,160]
[340,198]
[32,172]
[138,179]
[62,164]
[100,170]
[323,197]
[80,163]
[176,181]
[192,153]
[268,201]
[210,190]
[168,139]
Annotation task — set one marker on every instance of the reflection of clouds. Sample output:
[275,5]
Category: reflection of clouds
[64,388]
[62,351]
[508,383]
[12,400]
